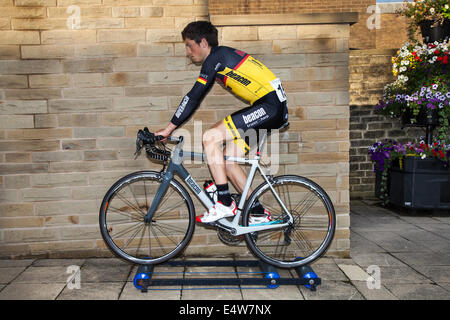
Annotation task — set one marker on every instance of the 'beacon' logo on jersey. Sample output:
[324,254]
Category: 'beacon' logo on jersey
[254,115]
[238,78]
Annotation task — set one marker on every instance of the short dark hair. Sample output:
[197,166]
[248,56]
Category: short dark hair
[198,30]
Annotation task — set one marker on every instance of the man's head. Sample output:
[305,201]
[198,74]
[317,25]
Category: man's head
[199,37]
[198,30]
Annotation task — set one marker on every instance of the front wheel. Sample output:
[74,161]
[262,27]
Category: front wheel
[125,230]
[311,232]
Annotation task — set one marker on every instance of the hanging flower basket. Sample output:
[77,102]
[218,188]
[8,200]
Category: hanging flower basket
[434,31]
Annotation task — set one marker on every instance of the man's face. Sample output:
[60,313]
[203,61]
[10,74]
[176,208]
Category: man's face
[197,52]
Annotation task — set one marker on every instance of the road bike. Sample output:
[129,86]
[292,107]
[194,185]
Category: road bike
[148,217]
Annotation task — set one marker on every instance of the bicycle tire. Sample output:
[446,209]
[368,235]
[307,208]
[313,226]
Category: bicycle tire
[296,238]
[122,215]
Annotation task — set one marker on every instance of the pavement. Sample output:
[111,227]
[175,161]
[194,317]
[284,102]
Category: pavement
[395,255]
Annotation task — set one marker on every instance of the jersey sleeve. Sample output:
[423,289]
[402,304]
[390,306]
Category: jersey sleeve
[193,98]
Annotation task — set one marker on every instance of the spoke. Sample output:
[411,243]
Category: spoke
[307,203]
[133,236]
[128,229]
[168,236]
[137,202]
[307,245]
[160,214]
[127,202]
[127,214]
[170,227]
[157,240]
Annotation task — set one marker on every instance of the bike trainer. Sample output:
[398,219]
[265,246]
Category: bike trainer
[269,275]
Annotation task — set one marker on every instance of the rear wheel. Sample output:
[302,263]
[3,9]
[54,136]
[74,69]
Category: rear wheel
[311,232]
[129,236]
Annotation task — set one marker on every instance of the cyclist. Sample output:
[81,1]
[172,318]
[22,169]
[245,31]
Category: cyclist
[248,79]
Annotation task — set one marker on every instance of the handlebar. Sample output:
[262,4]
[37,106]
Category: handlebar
[147,139]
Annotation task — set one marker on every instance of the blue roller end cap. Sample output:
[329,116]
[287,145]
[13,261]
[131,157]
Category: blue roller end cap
[309,275]
[273,276]
[137,277]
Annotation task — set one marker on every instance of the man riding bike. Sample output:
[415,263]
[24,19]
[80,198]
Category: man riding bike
[249,80]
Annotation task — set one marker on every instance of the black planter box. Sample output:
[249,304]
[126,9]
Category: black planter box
[421,184]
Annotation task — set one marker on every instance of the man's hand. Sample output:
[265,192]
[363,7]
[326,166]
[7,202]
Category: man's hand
[166,132]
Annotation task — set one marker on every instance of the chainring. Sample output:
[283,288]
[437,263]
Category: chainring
[227,238]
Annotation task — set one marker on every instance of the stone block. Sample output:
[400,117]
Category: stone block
[126,12]
[140,104]
[68,36]
[163,35]
[106,50]
[32,94]
[48,52]
[81,80]
[23,12]
[146,50]
[35,3]
[16,121]
[140,64]
[45,121]
[123,79]
[13,81]
[40,134]
[29,66]
[82,93]
[23,157]
[15,107]
[57,156]
[128,36]
[49,80]
[19,37]
[150,23]
[91,65]
[10,52]
[277,32]
[16,209]
[38,24]
[80,105]
[241,33]
[79,144]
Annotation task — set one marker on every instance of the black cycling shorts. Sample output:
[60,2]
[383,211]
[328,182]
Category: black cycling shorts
[265,114]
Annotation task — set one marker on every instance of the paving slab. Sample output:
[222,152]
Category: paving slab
[130,292]
[377,258]
[43,275]
[105,273]
[58,262]
[420,291]
[438,274]
[402,275]
[332,290]
[31,291]
[9,263]
[381,293]
[211,293]
[284,292]
[9,274]
[93,291]
[423,258]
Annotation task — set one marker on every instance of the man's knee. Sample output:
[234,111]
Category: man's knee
[212,136]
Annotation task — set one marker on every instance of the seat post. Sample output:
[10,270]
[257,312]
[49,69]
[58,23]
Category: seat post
[261,143]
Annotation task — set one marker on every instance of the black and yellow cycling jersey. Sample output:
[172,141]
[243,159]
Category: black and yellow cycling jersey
[247,78]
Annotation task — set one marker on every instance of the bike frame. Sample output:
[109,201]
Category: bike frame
[176,166]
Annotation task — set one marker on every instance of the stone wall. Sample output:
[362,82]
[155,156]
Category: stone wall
[360,36]
[74,95]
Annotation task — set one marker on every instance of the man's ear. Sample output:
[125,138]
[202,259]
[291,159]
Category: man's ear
[204,43]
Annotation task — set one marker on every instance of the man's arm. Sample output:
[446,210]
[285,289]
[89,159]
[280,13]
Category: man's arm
[193,98]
